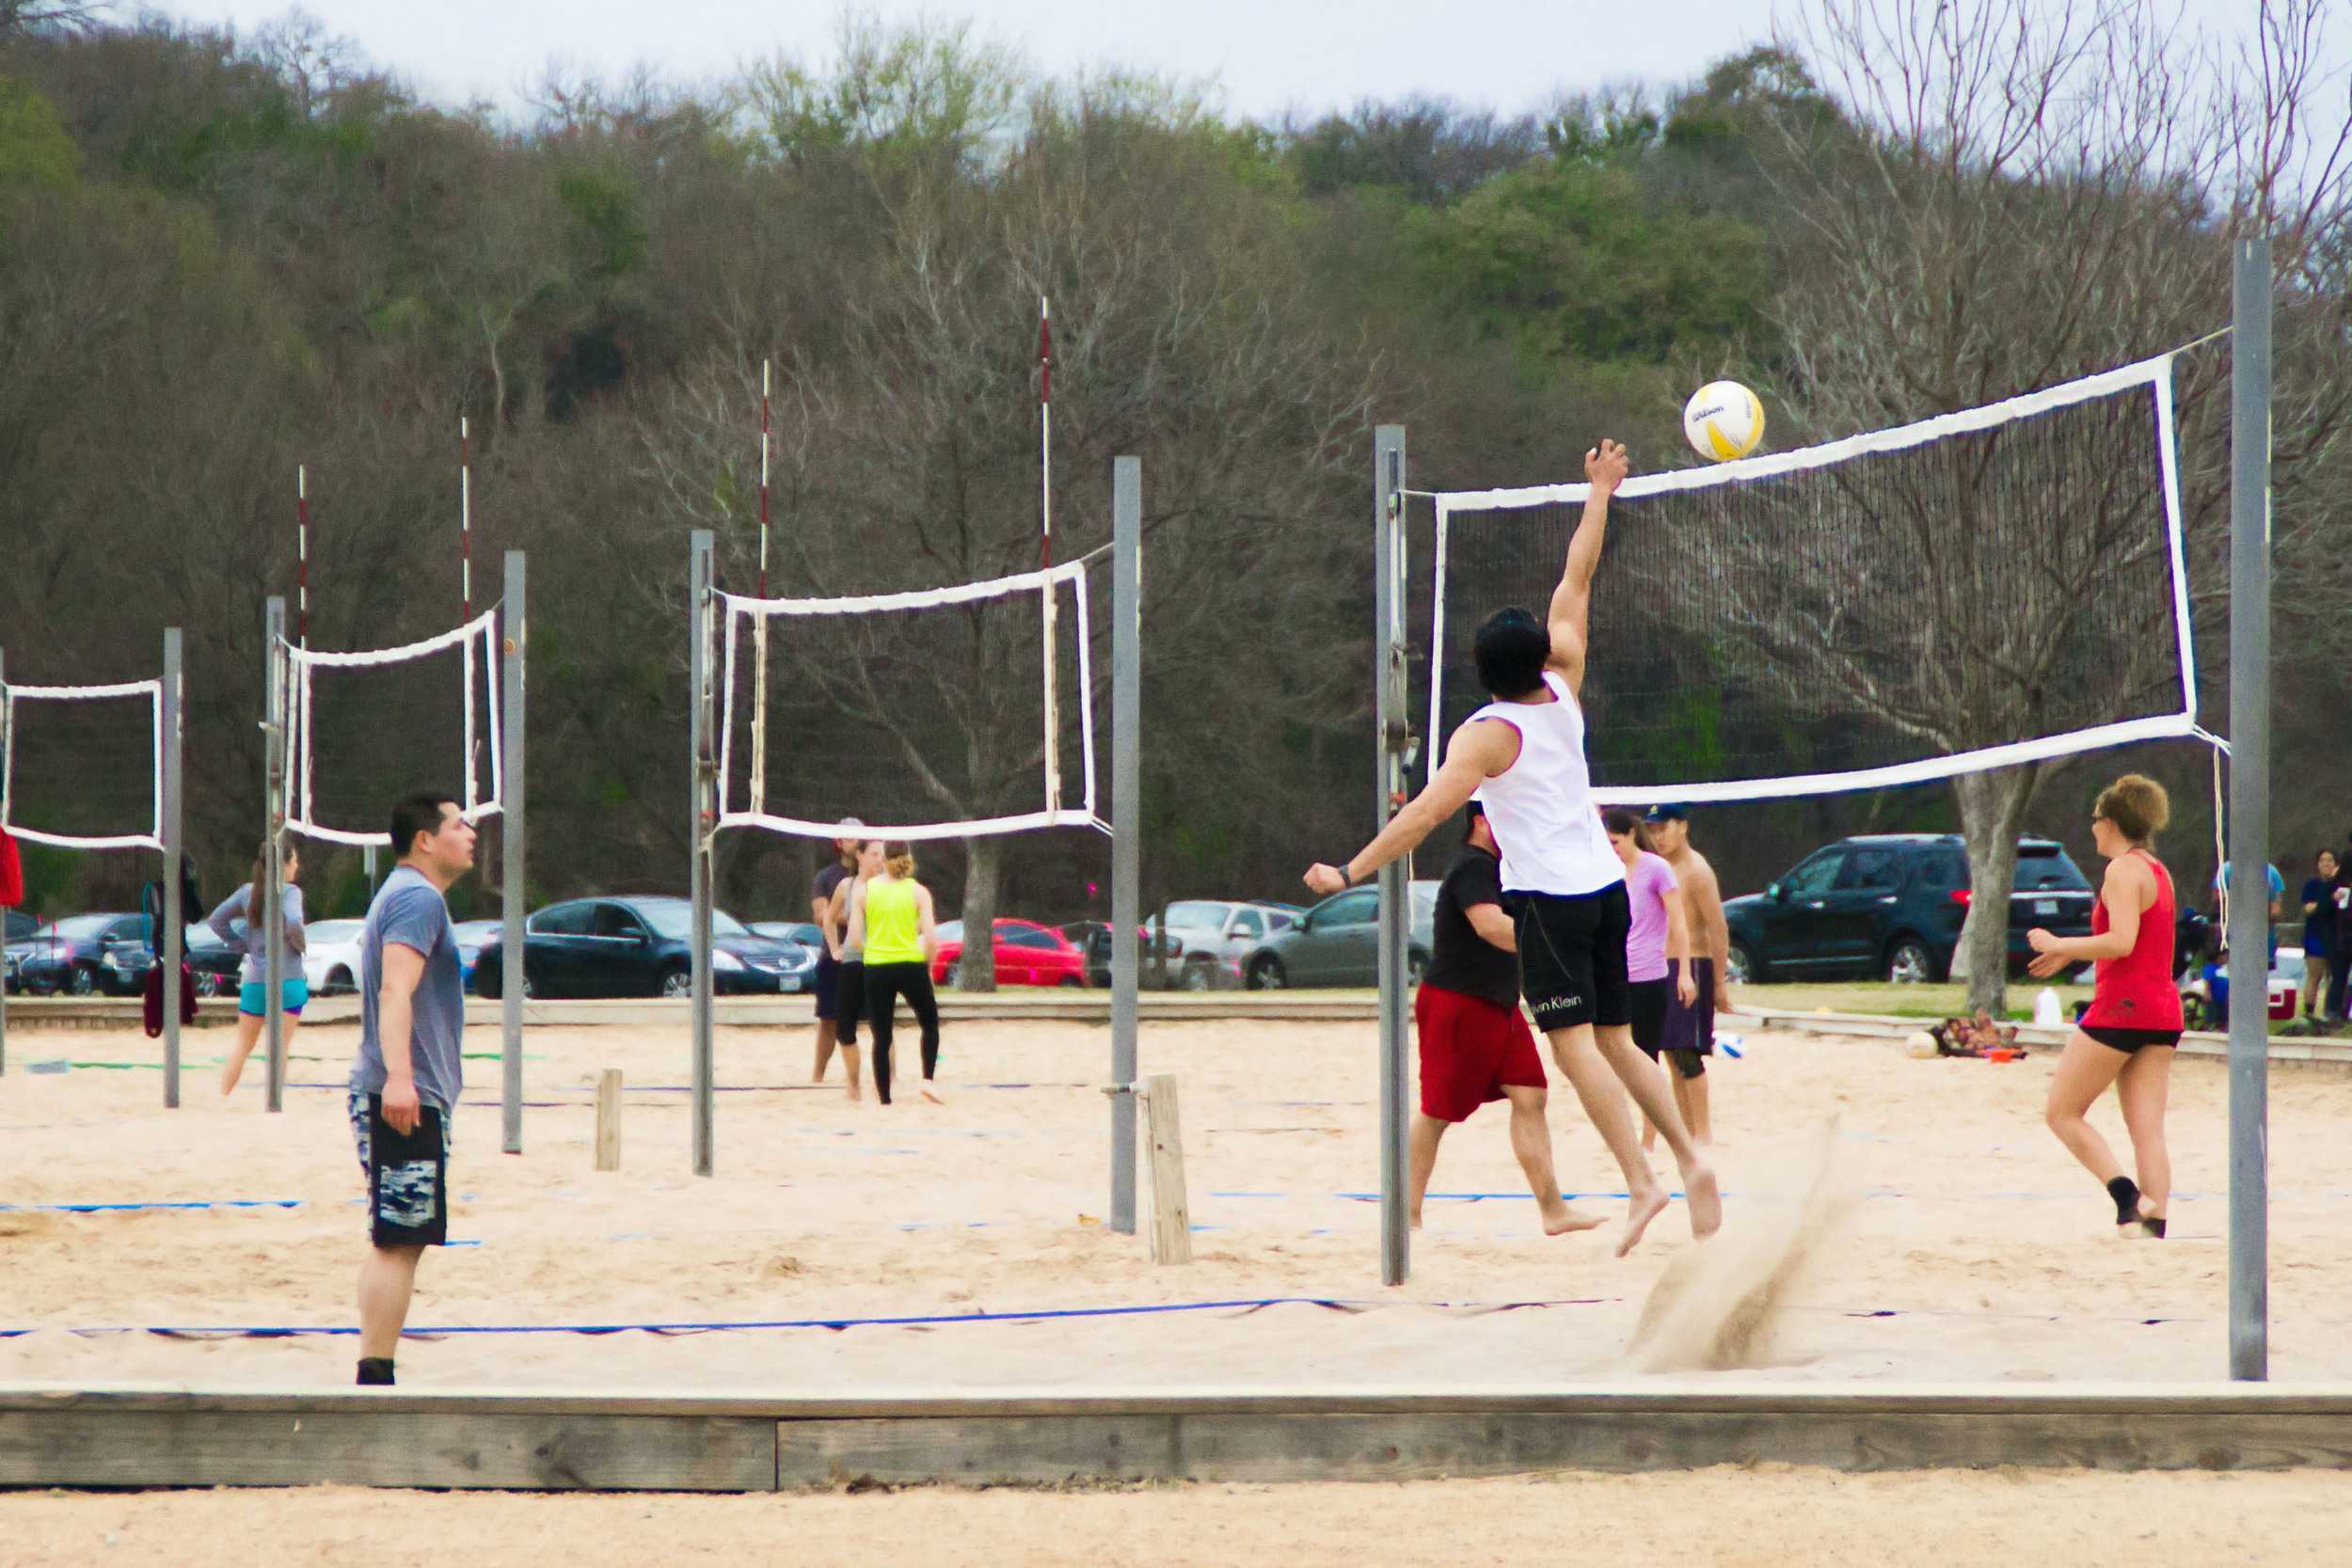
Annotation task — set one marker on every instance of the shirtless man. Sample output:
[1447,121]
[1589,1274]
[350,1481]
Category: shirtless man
[1691,1030]
[1522,757]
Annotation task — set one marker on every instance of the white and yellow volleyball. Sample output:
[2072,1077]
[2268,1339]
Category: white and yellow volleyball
[1723,420]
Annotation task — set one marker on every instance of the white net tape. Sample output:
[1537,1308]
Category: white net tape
[878,710]
[476,643]
[1692,546]
[46,699]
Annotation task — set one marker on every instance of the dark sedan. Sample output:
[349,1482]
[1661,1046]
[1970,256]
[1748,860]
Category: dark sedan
[640,946]
[83,954]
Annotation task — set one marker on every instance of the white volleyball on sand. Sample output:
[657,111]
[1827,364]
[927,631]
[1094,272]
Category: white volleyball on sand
[1920,1043]
[1723,420]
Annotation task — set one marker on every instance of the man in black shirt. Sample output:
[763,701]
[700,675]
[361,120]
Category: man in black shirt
[1474,1045]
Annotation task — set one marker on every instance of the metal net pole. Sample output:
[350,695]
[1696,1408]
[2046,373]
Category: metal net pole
[1396,899]
[1127,820]
[705,821]
[511,861]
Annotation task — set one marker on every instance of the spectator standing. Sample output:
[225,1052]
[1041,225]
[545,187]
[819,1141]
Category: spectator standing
[2319,932]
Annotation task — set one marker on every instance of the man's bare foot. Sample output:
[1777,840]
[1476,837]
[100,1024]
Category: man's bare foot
[1706,1200]
[1562,1219]
[1413,1219]
[1649,1203]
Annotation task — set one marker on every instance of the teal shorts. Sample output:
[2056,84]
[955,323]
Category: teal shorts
[253,997]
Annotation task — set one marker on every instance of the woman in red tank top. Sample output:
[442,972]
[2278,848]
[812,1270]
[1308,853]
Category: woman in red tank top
[2128,1035]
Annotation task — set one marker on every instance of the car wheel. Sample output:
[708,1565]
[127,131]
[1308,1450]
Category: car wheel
[677,984]
[953,979]
[1416,966]
[81,982]
[1910,963]
[1266,973]
[1196,977]
[1073,982]
[1741,967]
[339,982]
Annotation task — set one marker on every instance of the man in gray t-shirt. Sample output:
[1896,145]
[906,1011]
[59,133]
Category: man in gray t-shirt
[405,1079]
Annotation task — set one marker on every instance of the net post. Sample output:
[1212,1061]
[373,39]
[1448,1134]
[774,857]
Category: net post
[273,831]
[514,651]
[704,819]
[168,946]
[5,757]
[2250,815]
[1127,820]
[1387,480]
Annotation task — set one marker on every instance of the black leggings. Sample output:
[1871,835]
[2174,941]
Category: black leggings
[885,984]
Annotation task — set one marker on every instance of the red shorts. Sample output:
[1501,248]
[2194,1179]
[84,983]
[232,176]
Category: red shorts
[1469,1050]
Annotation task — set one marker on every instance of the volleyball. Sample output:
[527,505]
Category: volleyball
[1723,420]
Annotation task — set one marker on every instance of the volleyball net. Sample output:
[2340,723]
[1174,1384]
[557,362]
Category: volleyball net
[82,767]
[362,728]
[938,713]
[2000,586]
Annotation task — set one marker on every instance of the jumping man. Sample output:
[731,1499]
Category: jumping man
[1522,757]
[407,1078]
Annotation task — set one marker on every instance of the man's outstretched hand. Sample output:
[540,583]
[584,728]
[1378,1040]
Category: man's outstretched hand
[1606,466]
[1324,880]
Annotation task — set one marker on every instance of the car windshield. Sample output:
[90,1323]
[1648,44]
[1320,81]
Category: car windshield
[672,920]
[84,925]
[1196,916]
[951,931]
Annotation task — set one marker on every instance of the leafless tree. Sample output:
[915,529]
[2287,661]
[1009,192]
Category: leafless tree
[2034,190]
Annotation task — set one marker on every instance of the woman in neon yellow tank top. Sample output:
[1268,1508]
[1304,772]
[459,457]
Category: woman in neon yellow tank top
[891,919]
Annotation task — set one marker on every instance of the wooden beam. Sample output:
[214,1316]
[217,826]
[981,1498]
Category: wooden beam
[608,1119]
[1171,1214]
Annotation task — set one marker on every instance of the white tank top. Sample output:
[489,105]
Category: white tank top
[1541,807]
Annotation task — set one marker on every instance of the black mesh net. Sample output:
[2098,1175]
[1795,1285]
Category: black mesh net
[376,733]
[932,716]
[1881,609]
[83,768]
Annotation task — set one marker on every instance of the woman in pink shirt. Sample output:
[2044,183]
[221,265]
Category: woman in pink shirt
[1660,931]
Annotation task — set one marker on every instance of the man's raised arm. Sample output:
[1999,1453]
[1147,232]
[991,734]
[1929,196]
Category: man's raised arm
[1605,468]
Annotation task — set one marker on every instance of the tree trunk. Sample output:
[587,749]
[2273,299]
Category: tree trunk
[984,860]
[1992,808]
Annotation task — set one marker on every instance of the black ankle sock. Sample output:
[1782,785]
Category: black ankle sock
[2126,1195]
[375,1371]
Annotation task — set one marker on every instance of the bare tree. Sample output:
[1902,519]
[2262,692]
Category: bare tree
[2029,191]
[910,442]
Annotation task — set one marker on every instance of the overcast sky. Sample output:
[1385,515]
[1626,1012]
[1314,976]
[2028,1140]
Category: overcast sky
[1269,56]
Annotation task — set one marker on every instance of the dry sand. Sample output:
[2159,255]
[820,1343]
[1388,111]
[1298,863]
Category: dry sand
[1974,1249]
[1769,1516]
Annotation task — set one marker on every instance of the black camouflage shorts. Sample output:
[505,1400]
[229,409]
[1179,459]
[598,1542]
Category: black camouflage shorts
[407,1174]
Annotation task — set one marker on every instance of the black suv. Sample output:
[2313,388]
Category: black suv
[1891,905]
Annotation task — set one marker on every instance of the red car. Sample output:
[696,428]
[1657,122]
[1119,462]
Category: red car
[1027,954]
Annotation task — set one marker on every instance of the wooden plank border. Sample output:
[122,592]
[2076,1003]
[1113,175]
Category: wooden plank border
[133,1435]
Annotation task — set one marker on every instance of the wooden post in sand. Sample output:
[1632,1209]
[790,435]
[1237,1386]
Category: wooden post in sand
[1171,1215]
[608,1119]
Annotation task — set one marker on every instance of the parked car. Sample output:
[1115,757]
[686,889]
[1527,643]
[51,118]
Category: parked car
[641,946]
[19,926]
[214,966]
[1213,937]
[1891,905]
[1027,954]
[330,956]
[1338,944]
[83,954]
[1093,939]
[471,935]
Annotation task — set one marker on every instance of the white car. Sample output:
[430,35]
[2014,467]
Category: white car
[330,956]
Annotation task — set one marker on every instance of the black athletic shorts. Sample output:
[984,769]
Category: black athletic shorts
[1649,1000]
[827,980]
[1572,957]
[407,1174]
[2129,1039]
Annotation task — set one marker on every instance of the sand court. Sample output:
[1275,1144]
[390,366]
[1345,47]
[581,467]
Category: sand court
[1970,1248]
